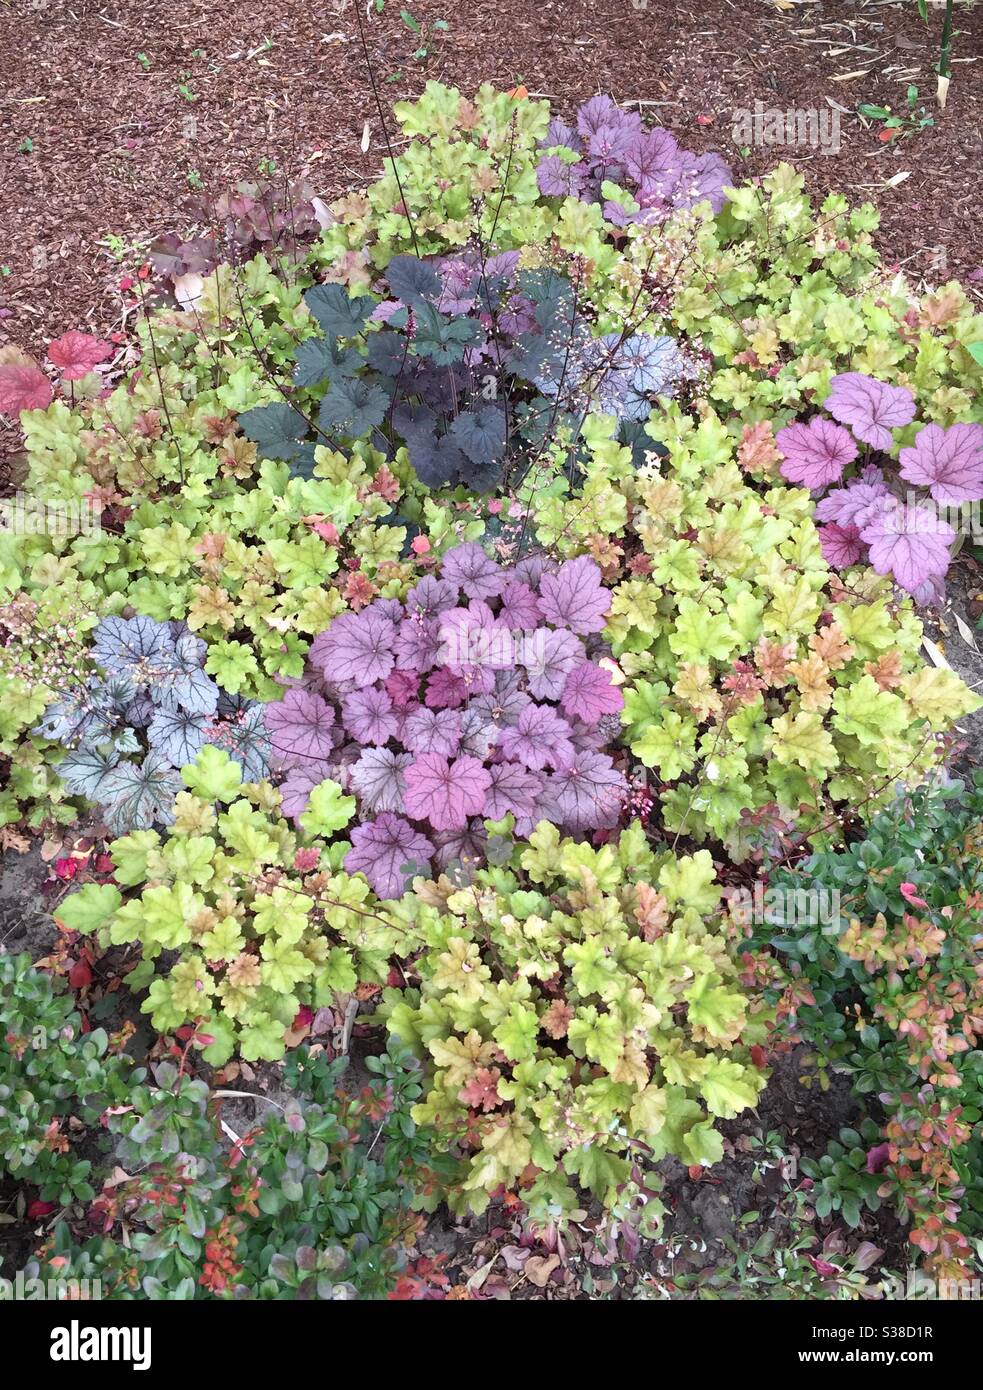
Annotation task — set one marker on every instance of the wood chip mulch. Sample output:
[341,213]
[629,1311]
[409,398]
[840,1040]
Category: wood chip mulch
[113,111]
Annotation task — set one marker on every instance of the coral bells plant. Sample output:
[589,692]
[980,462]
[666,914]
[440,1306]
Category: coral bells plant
[580,1010]
[867,519]
[484,694]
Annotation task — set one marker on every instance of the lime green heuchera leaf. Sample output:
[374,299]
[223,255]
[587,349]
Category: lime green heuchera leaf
[213,775]
[328,810]
[89,909]
[867,712]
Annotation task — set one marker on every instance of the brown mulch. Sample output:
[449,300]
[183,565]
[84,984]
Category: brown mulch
[93,141]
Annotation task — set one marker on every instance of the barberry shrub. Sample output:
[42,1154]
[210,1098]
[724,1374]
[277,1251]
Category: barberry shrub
[312,1202]
[892,991]
[580,1012]
[55,1084]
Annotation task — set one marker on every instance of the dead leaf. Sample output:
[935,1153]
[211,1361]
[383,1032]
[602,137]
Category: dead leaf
[366,137]
[935,654]
[538,1269]
[849,76]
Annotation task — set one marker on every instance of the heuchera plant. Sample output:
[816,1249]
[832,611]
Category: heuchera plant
[609,150]
[483,694]
[868,519]
[260,925]
[580,1010]
[152,698]
[446,364]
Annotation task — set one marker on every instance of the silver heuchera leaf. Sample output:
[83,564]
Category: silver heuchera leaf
[177,736]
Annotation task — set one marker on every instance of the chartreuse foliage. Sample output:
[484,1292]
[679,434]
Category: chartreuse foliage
[258,930]
[579,1008]
[756,678]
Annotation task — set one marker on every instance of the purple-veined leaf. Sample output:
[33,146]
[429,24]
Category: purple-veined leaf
[589,693]
[589,794]
[870,407]
[514,788]
[378,779]
[432,731]
[815,454]
[358,647]
[538,739]
[445,793]
[574,596]
[301,781]
[519,608]
[460,852]
[948,462]
[445,690]
[431,597]
[417,644]
[390,853]
[468,567]
[912,543]
[177,736]
[841,545]
[301,727]
[549,656]
[368,715]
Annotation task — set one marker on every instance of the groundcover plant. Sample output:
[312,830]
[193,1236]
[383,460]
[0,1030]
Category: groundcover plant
[462,599]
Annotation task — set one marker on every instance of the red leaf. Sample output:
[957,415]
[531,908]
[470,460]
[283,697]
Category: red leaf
[23,386]
[80,974]
[76,354]
[40,1209]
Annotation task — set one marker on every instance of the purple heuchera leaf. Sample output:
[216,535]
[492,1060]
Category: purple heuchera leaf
[445,690]
[539,738]
[815,454]
[300,727]
[559,179]
[368,715]
[431,596]
[296,790]
[472,570]
[443,793]
[432,731]
[378,779]
[357,646]
[478,736]
[589,693]
[948,462]
[520,608]
[548,656]
[389,852]
[841,545]
[514,788]
[574,597]
[858,503]
[589,794]
[461,849]
[472,638]
[870,407]
[506,702]
[402,688]
[417,644]
[911,543]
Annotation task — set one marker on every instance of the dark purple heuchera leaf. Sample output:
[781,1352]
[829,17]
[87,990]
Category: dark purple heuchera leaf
[460,852]
[539,738]
[431,596]
[472,570]
[378,779]
[589,794]
[548,657]
[911,543]
[300,727]
[417,644]
[574,597]
[445,690]
[368,715]
[390,853]
[948,462]
[858,503]
[841,545]
[520,608]
[402,688]
[559,133]
[432,731]
[357,646]
[654,155]
[815,454]
[514,788]
[531,569]
[443,793]
[296,790]
[589,693]
[870,407]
